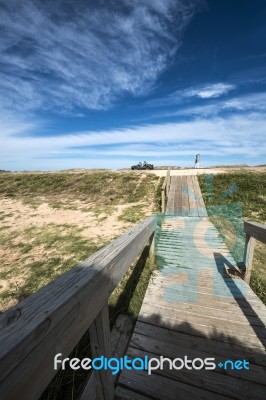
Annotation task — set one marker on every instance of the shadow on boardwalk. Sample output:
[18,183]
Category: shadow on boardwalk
[157,336]
[245,307]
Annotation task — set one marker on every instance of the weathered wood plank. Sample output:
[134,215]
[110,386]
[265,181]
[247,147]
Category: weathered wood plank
[122,393]
[201,204]
[208,345]
[171,196]
[225,314]
[163,279]
[210,380]
[167,347]
[256,334]
[178,197]
[163,388]
[228,333]
[184,197]
[193,209]
[206,295]
[255,230]
[248,257]
[101,346]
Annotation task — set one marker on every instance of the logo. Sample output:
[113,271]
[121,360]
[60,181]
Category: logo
[147,364]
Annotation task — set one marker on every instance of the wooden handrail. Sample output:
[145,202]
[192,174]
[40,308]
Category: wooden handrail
[55,318]
[256,230]
[165,189]
[253,230]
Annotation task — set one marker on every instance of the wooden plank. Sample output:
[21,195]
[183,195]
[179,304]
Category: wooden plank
[248,257]
[167,347]
[240,329]
[255,230]
[171,277]
[205,278]
[227,314]
[210,380]
[167,238]
[170,199]
[206,294]
[54,319]
[122,393]
[152,246]
[101,346]
[193,209]
[184,197]
[162,388]
[197,343]
[214,329]
[246,306]
[200,203]
[178,197]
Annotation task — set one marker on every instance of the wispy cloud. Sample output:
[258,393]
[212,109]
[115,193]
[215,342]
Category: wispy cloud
[61,55]
[210,91]
[251,103]
[235,137]
[188,94]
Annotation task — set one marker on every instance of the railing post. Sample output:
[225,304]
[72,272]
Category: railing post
[168,182]
[152,245]
[248,256]
[101,346]
[163,200]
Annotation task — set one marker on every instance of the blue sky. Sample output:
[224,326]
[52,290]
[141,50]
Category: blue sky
[108,83]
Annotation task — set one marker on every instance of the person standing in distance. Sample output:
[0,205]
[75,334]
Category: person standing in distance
[197,160]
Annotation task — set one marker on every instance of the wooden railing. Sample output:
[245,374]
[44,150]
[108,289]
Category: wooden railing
[165,190]
[253,231]
[55,318]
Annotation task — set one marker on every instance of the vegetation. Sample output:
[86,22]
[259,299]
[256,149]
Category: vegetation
[41,253]
[104,187]
[230,198]
[60,247]
[132,214]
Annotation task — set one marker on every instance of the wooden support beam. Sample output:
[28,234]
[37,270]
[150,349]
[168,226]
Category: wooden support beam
[152,245]
[248,256]
[101,346]
[254,230]
[165,190]
[120,336]
[163,200]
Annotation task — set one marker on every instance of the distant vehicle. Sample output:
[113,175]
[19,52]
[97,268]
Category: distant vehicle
[145,165]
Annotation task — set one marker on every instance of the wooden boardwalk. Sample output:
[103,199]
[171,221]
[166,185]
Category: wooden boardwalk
[185,197]
[194,308]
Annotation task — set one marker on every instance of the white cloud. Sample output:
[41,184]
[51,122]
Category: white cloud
[73,54]
[186,95]
[252,102]
[210,91]
[237,137]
